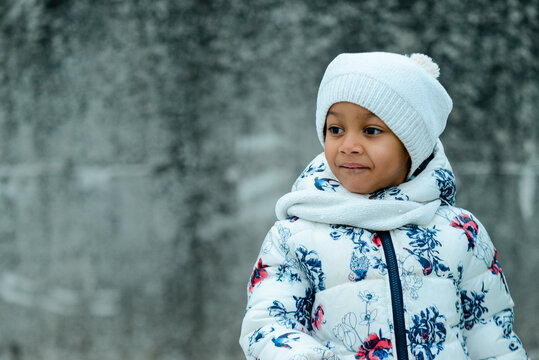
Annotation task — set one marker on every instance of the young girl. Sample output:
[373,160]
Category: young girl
[370,259]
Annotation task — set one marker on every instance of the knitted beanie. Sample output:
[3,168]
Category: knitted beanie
[402,91]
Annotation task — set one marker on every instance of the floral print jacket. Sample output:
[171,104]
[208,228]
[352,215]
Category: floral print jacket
[326,291]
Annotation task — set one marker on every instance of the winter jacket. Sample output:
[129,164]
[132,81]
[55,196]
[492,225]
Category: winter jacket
[399,273]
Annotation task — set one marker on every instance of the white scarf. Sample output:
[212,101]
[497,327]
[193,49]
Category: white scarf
[318,196]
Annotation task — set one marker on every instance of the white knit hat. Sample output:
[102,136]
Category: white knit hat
[402,91]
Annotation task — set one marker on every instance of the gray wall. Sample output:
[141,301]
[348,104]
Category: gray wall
[143,145]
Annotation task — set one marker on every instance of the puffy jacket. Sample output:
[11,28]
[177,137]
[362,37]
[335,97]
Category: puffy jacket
[421,280]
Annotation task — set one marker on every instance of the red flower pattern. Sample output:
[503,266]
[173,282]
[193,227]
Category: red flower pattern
[470,227]
[258,275]
[496,269]
[377,240]
[374,348]
[318,317]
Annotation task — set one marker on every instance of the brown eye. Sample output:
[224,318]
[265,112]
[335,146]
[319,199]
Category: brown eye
[372,131]
[334,130]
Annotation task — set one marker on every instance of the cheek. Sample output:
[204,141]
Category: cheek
[329,150]
[398,151]
[404,163]
[395,157]
[387,156]
[405,157]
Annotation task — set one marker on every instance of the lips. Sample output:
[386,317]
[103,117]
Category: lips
[353,166]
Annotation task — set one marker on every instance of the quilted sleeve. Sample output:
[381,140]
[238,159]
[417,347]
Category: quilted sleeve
[487,306]
[277,320]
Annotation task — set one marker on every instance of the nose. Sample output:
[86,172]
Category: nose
[351,144]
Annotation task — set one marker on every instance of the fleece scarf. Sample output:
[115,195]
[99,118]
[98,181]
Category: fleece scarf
[318,196]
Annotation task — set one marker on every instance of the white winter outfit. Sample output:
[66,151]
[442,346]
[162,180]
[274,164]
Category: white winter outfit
[401,272]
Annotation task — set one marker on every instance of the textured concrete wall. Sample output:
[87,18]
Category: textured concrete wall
[143,145]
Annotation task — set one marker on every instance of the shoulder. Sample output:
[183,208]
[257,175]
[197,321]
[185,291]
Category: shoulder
[291,226]
[458,218]
[461,221]
[463,226]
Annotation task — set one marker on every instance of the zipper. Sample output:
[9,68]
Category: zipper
[396,296]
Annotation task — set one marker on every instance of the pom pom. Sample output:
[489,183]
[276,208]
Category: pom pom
[426,63]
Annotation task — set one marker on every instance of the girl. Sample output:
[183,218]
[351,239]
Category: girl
[370,259]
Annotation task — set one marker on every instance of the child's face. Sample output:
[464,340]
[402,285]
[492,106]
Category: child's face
[362,151]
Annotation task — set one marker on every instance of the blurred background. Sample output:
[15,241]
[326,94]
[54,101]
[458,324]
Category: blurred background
[143,145]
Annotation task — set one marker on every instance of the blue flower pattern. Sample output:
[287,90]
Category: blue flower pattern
[473,307]
[394,193]
[312,169]
[311,266]
[259,335]
[351,232]
[359,263]
[285,272]
[301,313]
[424,248]
[427,334]
[379,265]
[445,180]
[505,321]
